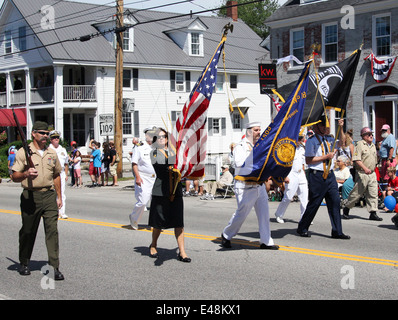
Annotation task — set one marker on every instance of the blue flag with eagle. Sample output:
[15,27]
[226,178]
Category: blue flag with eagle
[273,153]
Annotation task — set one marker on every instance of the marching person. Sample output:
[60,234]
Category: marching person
[64,161]
[165,213]
[365,160]
[41,197]
[296,181]
[145,176]
[249,195]
[318,153]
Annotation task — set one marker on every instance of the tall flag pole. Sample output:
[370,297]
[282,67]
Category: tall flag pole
[189,135]
[273,154]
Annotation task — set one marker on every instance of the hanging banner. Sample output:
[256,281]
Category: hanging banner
[267,77]
[381,69]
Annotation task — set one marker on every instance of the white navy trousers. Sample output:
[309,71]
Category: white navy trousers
[143,195]
[248,197]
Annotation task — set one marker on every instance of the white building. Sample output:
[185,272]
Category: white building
[70,83]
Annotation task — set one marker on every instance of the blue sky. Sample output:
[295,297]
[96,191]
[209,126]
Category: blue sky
[195,5]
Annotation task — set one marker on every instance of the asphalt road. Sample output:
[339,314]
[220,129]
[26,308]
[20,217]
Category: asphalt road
[103,259]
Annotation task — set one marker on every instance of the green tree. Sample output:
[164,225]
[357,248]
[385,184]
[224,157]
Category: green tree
[254,14]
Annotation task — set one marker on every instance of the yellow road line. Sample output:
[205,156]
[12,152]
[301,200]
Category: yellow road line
[319,253]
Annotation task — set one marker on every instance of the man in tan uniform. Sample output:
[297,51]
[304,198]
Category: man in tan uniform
[41,197]
[365,159]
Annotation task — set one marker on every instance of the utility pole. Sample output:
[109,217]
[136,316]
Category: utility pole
[119,86]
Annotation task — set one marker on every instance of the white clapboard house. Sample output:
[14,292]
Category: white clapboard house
[51,75]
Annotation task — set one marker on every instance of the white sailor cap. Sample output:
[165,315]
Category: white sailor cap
[149,128]
[253,124]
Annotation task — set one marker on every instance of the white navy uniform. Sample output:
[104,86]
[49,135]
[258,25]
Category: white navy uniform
[248,195]
[297,184]
[142,157]
[63,158]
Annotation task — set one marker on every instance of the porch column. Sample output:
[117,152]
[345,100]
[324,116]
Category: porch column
[8,89]
[59,99]
[29,123]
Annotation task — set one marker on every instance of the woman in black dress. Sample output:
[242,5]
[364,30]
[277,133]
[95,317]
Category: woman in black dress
[165,213]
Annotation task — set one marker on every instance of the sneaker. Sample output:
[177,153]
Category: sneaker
[279,220]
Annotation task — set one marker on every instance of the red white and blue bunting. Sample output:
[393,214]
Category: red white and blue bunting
[381,69]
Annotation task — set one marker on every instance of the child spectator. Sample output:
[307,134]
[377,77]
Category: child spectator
[77,169]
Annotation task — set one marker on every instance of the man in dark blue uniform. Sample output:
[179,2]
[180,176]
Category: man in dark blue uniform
[318,153]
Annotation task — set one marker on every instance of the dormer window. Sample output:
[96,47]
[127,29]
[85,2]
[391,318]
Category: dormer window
[188,35]
[196,44]
[128,35]
[128,43]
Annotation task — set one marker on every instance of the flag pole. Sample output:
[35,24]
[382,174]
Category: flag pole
[174,173]
[326,173]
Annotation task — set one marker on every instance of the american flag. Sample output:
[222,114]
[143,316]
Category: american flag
[190,134]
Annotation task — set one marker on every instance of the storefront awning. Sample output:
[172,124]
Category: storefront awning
[7,118]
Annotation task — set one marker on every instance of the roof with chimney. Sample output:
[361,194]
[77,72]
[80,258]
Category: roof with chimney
[152,42]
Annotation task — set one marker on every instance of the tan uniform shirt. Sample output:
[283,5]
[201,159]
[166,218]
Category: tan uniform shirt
[47,167]
[365,153]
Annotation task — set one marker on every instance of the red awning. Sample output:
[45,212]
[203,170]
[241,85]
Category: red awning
[7,118]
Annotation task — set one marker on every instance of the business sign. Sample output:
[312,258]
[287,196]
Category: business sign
[106,124]
[267,77]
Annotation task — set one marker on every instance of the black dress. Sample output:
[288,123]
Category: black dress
[164,213]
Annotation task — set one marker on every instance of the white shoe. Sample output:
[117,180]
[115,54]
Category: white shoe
[279,220]
[134,224]
[64,216]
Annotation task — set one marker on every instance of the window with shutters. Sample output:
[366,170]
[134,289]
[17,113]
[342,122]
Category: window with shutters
[180,81]
[216,126]
[130,79]
[127,128]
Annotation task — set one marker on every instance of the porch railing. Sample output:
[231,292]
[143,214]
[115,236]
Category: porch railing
[3,99]
[80,93]
[42,95]
[18,97]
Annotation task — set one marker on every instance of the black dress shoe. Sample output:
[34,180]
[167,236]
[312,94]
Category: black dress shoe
[340,236]
[273,247]
[58,275]
[374,216]
[24,270]
[225,242]
[186,259]
[303,234]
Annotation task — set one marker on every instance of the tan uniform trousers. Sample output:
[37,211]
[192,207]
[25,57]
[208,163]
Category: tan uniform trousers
[34,206]
[365,184]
